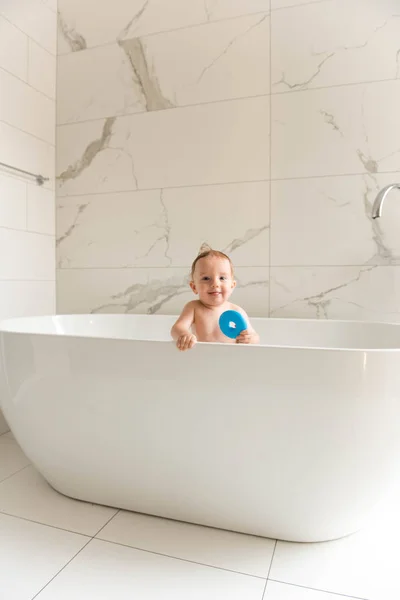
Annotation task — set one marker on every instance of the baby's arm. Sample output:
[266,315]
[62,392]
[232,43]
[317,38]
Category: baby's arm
[181,332]
[247,336]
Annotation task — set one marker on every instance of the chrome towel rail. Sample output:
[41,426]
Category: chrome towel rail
[39,178]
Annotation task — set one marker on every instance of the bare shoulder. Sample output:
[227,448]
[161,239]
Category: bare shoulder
[238,309]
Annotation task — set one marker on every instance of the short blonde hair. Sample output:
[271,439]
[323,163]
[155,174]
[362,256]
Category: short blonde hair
[206,250]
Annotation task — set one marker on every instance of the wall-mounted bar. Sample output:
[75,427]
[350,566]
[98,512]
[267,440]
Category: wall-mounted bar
[39,178]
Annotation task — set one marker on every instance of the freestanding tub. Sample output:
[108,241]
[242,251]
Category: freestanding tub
[296,439]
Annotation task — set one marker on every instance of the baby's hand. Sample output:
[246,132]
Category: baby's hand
[186,341]
[247,337]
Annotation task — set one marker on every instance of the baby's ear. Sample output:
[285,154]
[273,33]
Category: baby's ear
[193,287]
[233,283]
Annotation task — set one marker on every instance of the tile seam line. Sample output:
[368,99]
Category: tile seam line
[164,110]
[270,231]
[62,569]
[7,514]
[201,24]
[172,267]
[270,95]
[186,560]
[15,473]
[39,139]
[333,86]
[27,83]
[338,594]
[25,230]
[26,34]
[244,182]
[269,570]
[166,31]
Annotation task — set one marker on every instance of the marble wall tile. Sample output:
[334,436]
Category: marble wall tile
[343,130]
[97,83]
[163,291]
[160,228]
[27,298]
[23,107]
[42,70]
[12,202]
[40,212]
[13,50]
[26,152]
[327,221]
[26,256]
[285,3]
[104,22]
[107,22]
[361,293]
[223,9]
[35,19]
[218,61]
[212,143]
[335,42]
[52,4]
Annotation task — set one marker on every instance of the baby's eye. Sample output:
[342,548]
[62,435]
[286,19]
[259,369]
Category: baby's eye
[222,278]
[205,278]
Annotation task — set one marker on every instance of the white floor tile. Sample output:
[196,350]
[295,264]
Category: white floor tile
[10,435]
[283,591]
[104,570]
[243,553]
[31,554]
[364,565]
[28,495]
[12,459]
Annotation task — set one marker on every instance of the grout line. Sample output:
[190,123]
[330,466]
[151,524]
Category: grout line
[333,86]
[304,587]
[165,31]
[28,133]
[193,562]
[147,113]
[52,235]
[62,569]
[242,182]
[2,512]
[237,267]
[27,82]
[12,475]
[226,100]
[270,173]
[269,570]
[26,34]
[278,8]
[105,524]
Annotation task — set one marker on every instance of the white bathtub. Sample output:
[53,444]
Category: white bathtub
[296,439]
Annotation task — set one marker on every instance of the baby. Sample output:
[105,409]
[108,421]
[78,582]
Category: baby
[212,279]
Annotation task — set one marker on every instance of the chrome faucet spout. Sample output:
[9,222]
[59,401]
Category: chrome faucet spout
[379,200]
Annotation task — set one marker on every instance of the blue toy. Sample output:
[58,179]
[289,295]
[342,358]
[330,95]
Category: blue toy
[232,323]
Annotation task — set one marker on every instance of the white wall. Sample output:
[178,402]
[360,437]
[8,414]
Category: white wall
[27,140]
[265,128]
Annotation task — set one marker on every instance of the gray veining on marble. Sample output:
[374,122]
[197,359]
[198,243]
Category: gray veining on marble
[249,235]
[231,43]
[320,302]
[90,153]
[74,225]
[155,294]
[303,84]
[145,75]
[136,17]
[74,39]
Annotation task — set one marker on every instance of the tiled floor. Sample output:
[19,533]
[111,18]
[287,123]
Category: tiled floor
[54,548]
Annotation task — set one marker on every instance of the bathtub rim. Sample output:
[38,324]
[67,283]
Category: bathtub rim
[6,327]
